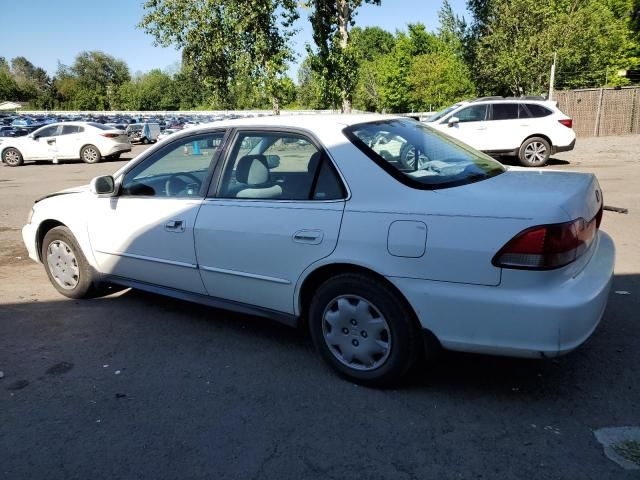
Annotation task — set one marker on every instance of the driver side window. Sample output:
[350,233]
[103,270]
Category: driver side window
[177,170]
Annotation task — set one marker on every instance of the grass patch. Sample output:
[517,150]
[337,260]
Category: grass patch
[629,450]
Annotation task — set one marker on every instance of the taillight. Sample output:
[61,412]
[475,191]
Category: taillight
[545,247]
[110,135]
[567,122]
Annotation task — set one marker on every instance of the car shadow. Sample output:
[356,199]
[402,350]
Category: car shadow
[45,163]
[514,162]
[140,315]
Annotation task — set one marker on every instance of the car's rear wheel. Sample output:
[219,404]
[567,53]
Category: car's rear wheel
[363,329]
[12,157]
[90,154]
[534,152]
[66,265]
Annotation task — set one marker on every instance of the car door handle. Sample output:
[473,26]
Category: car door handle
[174,226]
[312,237]
[481,128]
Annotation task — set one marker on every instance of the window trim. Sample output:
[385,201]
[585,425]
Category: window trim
[170,146]
[216,183]
[394,172]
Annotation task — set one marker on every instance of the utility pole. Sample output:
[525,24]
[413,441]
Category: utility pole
[552,77]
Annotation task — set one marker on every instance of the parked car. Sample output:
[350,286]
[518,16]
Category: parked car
[143,132]
[307,220]
[531,129]
[89,142]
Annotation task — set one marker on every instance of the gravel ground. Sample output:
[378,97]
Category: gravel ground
[138,386]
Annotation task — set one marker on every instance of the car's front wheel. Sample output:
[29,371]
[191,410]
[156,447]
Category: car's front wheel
[12,157]
[363,329]
[90,154]
[66,265]
[534,152]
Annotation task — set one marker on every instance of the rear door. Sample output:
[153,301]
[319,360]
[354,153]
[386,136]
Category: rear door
[277,210]
[505,130]
[69,142]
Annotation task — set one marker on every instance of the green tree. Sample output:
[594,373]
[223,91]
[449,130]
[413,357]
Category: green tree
[513,42]
[334,60]
[91,82]
[217,37]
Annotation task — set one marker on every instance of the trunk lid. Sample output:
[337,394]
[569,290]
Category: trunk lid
[544,196]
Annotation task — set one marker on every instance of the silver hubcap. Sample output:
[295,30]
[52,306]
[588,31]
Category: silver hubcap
[356,333]
[535,152]
[63,264]
[90,154]
[11,157]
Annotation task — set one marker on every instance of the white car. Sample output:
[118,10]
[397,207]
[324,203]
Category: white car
[530,129]
[312,219]
[88,141]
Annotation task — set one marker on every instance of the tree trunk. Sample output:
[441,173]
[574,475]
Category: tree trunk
[344,17]
[275,102]
[346,104]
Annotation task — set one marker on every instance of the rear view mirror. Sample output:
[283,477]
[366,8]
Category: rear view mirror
[453,121]
[273,161]
[103,186]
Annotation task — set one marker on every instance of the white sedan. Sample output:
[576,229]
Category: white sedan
[88,141]
[315,220]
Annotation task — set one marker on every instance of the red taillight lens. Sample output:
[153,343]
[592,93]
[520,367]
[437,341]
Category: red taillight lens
[110,135]
[547,246]
[567,122]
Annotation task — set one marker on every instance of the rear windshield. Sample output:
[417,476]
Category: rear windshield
[419,156]
[100,126]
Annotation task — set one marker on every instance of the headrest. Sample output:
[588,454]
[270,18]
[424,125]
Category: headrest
[313,162]
[252,170]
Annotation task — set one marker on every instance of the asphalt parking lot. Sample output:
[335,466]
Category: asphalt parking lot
[139,386]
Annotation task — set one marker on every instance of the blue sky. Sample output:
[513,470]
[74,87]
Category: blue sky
[48,31]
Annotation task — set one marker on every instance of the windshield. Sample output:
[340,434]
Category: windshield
[443,113]
[419,156]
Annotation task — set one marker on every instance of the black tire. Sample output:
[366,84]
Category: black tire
[84,288]
[90,154]
[534,152]
[12,157]
[402,335]
[145,141]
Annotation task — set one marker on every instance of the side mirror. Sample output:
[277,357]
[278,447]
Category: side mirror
[32,136]
[103,186]
[453,121]
[273,161]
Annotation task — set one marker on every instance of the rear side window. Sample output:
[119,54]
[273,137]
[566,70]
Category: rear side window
[538,111]
[504,111]
[68,129]
[419,156]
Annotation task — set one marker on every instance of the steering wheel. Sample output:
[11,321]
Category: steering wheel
[170,190]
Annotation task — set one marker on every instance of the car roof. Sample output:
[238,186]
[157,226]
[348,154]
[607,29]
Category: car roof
[306,121]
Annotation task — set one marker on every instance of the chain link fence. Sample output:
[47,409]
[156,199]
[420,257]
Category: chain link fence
[602,111]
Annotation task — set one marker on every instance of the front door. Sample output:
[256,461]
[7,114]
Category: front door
[278,210]
[42,143]
[145,233]
[471,127]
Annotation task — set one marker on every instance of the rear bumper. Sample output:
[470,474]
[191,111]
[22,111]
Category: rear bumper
[117,148]
[566,148]
[539,321]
